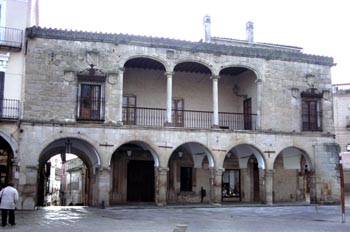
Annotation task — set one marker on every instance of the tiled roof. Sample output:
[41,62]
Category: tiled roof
[218,49]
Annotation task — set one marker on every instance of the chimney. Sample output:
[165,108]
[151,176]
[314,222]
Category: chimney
[206,23]
[250,32]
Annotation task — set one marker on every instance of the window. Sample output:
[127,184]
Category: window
[90,102]
[311,110]
[186,179]
[90,94]
[129,110]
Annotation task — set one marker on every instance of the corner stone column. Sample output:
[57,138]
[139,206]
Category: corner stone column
[162,177]
[259,107]
[216,185]
[104,180]
[119,90]
[169,97]
[269,186]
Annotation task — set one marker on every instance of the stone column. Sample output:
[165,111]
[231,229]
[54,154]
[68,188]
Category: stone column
[119,90]
[269,187]
[104,180]
[169,97]
[217,185]
[258,104]
[215,79]
[162,186]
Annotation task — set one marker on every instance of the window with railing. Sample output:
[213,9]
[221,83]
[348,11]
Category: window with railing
[91,103]
[311,110]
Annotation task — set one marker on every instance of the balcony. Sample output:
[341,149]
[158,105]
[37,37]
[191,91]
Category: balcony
[156,117]
[9,109]
[11,38]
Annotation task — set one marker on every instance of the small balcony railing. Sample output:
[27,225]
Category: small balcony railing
[9,109]
[11,37]
[91,109]
[155,117]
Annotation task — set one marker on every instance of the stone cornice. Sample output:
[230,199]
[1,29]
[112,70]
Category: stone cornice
[254,52]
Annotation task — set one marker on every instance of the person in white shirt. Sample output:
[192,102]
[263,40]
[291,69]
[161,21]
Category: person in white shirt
[9,197]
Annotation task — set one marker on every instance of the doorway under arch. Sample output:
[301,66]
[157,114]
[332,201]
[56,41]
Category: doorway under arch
[65,148]
[133,174]
[291,180]
[190,173]
[243,175]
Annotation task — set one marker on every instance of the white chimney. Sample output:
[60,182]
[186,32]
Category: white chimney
[250,32]
[206,23]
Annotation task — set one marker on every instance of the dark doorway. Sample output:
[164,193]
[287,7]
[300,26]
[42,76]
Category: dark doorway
[247,113]
[140,181]
[256,181]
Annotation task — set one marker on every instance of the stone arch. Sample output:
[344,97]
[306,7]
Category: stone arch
[9,159]
[79,147]
[245,150]
[146,57]
[196,148]
[11,141]
[243,174]
[145,146]
[191,167]
[206,68]
[254,70]
[134,166]
[292,175]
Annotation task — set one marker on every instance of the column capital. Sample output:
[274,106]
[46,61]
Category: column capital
[169,73]
[121,70]
[163,171]
[215,77]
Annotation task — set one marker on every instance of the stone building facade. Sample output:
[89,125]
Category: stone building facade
[171,122]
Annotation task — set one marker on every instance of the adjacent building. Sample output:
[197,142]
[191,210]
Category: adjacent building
[341,98]
[15,16]
[168,121]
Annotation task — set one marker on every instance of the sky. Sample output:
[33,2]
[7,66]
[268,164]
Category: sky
[318,26]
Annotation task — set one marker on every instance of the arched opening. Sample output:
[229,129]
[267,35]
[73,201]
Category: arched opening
[243,175]
[67,173]
[133,174]
[291,180]
[238,98]
[6,163]
[144,92]
[190,167]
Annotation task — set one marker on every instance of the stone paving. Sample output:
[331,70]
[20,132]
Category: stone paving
[195,218]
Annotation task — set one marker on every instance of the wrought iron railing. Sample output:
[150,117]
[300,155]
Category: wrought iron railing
[11,37]
[156,117]
[9,109]
[90,108]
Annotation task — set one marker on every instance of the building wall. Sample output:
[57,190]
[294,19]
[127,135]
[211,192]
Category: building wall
[50,104]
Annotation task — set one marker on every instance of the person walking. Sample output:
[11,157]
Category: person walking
[9,197]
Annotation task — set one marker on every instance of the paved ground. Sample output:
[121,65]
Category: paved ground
[176,219]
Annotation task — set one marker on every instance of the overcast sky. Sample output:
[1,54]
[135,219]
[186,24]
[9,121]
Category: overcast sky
[320,27]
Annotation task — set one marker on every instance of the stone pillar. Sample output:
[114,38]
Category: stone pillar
[162,177]
[169,97]
[269,187]
[258,100]
[313,190]
[104,186]
[217,186]
[119,89]
[215,79]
